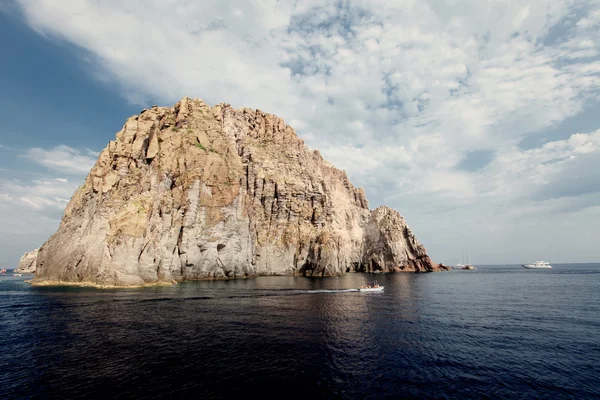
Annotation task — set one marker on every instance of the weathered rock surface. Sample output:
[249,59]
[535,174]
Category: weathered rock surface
[199,192]
[27,262]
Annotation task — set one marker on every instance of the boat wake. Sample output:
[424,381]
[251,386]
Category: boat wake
[326,291]
[308,291]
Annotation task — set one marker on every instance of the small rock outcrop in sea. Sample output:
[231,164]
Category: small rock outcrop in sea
[198,192]
[28,262]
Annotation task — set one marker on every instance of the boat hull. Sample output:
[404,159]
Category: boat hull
[379,289]
[536,267]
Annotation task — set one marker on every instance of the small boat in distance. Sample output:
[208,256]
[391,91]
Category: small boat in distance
[368,287]
[2,271]
[537,265]
[17,274]
[469,265]
[462,265]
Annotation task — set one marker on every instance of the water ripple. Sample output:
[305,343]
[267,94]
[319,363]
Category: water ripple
[497,333]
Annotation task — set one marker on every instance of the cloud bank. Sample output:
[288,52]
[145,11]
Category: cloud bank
[32,203]
[424,103]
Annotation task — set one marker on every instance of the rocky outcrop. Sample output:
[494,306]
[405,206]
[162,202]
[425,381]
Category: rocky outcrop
[199,192]
[28,262]
[390,245]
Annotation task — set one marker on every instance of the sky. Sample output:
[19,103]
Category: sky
[477,120]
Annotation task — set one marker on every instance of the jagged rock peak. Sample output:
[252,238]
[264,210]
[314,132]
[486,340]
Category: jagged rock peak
[27,262]
[200,192]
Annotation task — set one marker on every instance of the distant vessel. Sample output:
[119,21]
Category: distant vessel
[17,274]
[463,266]
[2,271]
[368,287]
[537,265]
[468,266]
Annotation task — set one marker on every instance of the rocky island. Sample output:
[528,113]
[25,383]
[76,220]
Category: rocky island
[194,192]
[27,262]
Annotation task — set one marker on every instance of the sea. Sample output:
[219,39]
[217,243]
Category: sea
[498,332]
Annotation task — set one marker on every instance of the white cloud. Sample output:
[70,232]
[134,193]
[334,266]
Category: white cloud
[48,194]
[31,212]
[591,21]
[63,159]
[543,173]
[92,153]
[31,209]
[37,195]
[397,93]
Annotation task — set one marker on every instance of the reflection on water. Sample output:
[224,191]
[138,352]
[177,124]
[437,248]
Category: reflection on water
[496,333]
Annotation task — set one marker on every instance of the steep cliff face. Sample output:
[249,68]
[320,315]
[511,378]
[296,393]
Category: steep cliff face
[200,192]
[27,263]
[390,245]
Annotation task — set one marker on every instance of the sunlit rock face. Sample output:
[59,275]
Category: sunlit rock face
[27,263]
[198,192]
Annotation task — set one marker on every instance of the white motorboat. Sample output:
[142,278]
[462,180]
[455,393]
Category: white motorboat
[537,265]
[370,287]
[373,289]
[17,274]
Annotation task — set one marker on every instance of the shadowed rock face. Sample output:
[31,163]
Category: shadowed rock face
[199,192]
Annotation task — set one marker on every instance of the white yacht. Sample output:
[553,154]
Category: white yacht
[463,265]
[537,265]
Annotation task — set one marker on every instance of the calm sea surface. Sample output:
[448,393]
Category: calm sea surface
[497,332]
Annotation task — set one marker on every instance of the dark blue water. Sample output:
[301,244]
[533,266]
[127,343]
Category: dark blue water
[497,332]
